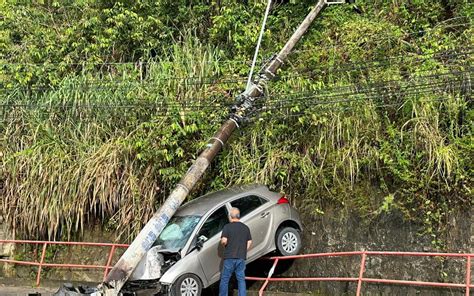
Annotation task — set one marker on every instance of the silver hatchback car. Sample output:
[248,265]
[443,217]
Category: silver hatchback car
[187,256]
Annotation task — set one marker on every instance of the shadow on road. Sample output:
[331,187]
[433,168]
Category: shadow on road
[258,268]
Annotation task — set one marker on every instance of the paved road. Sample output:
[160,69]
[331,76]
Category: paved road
[23,287]
[24,291]
[7,289]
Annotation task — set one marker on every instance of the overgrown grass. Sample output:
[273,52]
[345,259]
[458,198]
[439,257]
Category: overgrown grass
[95,149]
[106,146]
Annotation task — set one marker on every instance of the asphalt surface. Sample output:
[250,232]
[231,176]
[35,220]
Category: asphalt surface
[20,291]
[22,287]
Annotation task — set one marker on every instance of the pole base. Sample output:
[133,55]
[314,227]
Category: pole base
[69,289]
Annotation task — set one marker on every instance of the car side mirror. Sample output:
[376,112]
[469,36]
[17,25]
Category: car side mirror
[200,242]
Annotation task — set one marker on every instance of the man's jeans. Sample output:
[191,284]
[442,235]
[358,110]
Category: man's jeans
[231,266]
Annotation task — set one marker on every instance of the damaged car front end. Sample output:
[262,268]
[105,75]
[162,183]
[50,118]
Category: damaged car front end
[154,274]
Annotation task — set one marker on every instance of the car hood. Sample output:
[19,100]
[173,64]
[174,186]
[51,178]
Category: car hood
[155,262]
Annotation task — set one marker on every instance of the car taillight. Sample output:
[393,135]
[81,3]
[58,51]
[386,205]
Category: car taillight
[283,200]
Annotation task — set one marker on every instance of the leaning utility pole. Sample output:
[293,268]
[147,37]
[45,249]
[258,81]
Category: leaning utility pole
[148,235]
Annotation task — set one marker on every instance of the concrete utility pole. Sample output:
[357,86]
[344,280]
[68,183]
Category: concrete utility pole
[148,235]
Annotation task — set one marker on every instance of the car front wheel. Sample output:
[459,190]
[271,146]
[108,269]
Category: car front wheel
[288,241]
[187,285]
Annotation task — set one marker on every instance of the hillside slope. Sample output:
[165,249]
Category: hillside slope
[105,104]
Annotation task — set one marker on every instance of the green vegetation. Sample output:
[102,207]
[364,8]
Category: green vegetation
[105,104]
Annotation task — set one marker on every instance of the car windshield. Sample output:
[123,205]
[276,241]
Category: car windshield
[177,232]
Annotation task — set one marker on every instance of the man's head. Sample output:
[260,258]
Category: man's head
[234,214]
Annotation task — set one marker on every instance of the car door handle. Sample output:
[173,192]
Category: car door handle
[263,215]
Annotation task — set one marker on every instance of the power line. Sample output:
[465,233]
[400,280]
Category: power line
[309,107]
[343,66]
[377,87]
[390,61]
[293,98]
[96,85]
[350,89]
[331,108]
[378,40]
[327,47]
[366,98]
[318,99]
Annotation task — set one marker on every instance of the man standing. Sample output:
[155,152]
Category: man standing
[236,240]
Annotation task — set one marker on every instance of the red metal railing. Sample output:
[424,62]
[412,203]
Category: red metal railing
[361,279]
[45,244]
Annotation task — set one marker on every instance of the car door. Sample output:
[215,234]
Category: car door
[210,256]
[255,213]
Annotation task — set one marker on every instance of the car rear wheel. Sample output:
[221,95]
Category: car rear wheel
[288,241]
[187,285]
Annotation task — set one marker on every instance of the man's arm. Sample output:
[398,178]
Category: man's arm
[224,241]
[224,236]
[249,238]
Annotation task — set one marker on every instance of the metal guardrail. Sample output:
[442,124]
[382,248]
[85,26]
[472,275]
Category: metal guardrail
[361,279]
[45,244]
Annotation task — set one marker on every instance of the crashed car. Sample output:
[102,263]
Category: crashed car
[187,256]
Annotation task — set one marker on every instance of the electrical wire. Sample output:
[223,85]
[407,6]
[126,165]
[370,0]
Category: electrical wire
[310,110]
[344,90]
[326,47]
[93,85]
[377,87]
[365,98]
[333,109]
[391,61]
[269,102]
[321,100]
[347,66]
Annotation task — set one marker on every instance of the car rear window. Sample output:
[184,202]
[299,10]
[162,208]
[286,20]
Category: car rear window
[247,204]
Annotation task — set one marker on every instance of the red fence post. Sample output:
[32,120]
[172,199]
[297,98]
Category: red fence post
[361,273]
[468,275]
[43,254]
[270,273]
[109,261]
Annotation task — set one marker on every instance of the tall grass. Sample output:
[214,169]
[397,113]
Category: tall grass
[102,148]
[106,147]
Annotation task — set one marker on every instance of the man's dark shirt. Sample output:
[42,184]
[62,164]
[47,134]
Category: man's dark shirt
[237,234]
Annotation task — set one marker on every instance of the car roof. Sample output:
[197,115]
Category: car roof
[203,204]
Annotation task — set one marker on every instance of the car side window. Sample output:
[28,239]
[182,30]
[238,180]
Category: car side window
[214,223]
[247,204]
